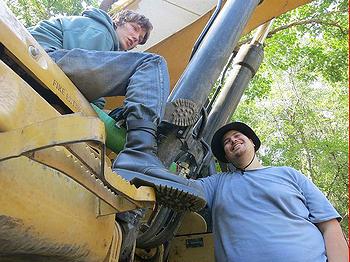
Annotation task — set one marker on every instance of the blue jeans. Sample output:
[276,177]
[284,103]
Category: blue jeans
[142,78]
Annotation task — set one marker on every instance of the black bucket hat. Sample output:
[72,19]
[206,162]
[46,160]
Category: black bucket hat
[216,143]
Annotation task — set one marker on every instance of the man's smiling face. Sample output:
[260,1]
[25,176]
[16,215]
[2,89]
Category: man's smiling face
[236,145]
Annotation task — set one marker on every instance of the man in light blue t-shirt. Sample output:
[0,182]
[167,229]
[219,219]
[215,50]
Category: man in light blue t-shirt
[267,214]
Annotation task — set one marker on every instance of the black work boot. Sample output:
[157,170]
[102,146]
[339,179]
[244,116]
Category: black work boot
[139,164]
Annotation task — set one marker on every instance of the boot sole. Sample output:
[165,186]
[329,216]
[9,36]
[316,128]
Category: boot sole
[170,194]
[181,112]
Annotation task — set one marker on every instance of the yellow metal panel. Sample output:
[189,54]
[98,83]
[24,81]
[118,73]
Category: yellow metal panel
[60,159]
[16,95]
[195,248]
[55,131]
[114,252]
[269,9]
[166,18]
[52,215]
[198,7]
[177,48]
[42,209]
[22,47]
[20,105]
[144,195]
[192,223]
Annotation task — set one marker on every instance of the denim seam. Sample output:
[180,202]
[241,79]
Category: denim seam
[161,85]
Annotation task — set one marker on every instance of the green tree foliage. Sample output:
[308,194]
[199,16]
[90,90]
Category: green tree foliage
[30,12]
[298,101]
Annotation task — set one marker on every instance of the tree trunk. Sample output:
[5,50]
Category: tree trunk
[107,4]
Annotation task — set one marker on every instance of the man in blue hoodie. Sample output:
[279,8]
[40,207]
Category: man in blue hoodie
[90,49]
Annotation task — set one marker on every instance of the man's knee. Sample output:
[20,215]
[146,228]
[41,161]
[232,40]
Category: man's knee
[154,58]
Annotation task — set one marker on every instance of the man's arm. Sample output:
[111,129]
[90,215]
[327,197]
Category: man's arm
[336,246]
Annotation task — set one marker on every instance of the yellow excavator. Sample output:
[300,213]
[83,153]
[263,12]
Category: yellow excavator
[59,197]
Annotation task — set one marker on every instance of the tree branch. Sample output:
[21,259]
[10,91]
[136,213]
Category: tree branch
[305,22]
[302,22]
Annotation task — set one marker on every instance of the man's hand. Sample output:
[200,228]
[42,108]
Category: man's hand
[336,246]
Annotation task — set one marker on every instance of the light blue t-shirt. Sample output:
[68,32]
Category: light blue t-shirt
[267,215]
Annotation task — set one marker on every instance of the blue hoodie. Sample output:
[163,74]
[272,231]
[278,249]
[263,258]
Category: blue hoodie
[93,30]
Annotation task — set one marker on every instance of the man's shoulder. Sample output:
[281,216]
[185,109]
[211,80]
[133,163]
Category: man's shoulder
[98,15]
[225,174]
[288,172]
[216,177]
[284,169]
